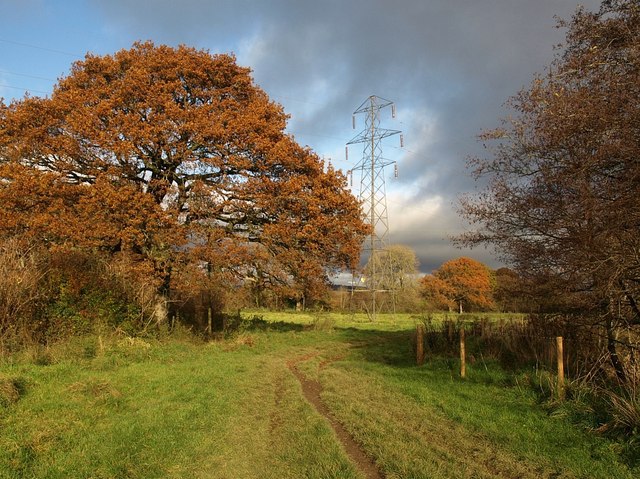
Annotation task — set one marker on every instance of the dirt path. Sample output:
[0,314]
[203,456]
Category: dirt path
[311,390]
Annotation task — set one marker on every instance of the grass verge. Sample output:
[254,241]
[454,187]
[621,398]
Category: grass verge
[233,409]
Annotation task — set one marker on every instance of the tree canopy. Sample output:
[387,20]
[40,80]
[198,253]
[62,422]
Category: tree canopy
[175,156]
[463,283]
[562,202]
[395,265]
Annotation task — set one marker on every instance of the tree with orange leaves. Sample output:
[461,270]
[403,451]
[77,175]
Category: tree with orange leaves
[175,156]
[438,293]
[463,283]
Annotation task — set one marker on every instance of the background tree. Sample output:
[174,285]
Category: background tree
[397,266]
[438,293]
[398,263]
[174,157]
[562,202]
[463,282]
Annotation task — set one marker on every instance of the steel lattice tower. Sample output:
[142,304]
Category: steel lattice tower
[373,189]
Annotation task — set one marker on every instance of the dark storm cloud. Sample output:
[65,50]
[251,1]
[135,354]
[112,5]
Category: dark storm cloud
[448,65]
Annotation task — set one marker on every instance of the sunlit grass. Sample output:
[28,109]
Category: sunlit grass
[360,320]
[232,409]
[364,321]
[175,410]
[427,422]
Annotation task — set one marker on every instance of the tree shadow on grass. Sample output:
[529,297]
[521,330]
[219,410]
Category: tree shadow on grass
[392,348]
[258,323]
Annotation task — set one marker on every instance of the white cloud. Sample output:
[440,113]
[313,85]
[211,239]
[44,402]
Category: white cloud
[408,214]
[449,66]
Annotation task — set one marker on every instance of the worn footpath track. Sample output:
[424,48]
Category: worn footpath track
[312,390]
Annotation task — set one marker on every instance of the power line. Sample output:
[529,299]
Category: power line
[302,133]
[24,89]
[37,47]
[26,75]
[293,132]
[272,95]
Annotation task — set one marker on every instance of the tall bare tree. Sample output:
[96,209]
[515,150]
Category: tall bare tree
[564,179]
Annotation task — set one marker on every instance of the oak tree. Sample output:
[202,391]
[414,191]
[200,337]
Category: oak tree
[438,293]
[174,155]
[564,178]
[463,282]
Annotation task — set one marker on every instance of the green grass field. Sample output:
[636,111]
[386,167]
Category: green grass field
[179,408]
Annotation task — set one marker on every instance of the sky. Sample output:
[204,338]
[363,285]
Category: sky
[448,65]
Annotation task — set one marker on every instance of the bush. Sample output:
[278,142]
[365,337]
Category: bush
[49,295]
[22,294]
[623,406]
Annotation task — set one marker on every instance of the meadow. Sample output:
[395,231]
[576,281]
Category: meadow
[241,406]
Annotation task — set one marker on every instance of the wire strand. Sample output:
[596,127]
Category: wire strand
[29,45]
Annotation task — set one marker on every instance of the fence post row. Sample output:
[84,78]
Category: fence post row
[420,355]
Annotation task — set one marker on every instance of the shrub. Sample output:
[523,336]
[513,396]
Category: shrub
[22,271]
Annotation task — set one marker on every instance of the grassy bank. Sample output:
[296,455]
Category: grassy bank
[117,407]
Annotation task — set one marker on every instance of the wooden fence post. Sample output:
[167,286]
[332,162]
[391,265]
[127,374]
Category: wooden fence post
[209,325]
[560,362]
[463,366]
[419,344]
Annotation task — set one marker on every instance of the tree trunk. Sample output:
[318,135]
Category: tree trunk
[613,353]
[635,319]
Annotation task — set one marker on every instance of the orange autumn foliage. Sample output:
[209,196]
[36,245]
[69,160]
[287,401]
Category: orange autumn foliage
[176,157]
[463,283]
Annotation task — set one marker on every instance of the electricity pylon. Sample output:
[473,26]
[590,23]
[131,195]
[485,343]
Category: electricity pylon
[373,190]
